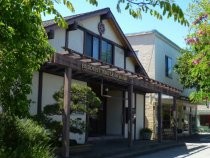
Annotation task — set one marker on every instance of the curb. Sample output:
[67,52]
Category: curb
[146,151]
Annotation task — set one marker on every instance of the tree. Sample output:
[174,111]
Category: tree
[24,45]
[168,8]
[83,101]
[194,64]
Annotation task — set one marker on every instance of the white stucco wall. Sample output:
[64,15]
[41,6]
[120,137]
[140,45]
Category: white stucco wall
[59,39]
[144,44]
[110,32]
[33,96]
[52,84]
[114,113]
[152,49]
[163,48]
[76,39]
[129,64]
[119,57]
[139,114]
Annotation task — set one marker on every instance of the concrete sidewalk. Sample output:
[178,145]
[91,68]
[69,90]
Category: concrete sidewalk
[119,148]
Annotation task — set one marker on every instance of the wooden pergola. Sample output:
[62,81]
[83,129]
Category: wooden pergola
[68,62]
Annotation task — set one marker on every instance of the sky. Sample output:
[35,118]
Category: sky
[172,30]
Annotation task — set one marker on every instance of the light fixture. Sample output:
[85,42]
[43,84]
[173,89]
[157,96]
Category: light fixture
[102,90]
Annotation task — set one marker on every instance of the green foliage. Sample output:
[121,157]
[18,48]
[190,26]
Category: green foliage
[23,47]
[168,8]
[23,138]
[84,100]
[194,64]
[145,130]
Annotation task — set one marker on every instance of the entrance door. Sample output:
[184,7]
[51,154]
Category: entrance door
[114,113]
[97,125]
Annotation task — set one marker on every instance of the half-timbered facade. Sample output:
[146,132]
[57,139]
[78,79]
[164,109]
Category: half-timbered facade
[94,51]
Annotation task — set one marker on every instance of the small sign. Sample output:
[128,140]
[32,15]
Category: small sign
[104,72]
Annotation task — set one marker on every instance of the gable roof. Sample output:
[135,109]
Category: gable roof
[50,24]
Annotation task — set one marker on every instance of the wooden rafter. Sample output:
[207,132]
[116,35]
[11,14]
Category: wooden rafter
[75,60]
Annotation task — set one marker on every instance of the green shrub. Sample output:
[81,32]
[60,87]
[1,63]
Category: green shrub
[23,138]
[145,133]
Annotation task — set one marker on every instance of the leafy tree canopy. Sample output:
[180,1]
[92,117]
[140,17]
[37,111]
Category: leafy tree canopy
[194,64]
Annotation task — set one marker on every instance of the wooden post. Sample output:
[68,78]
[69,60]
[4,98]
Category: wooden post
[159,112]
[66,112]
[130,119]
[40,85]
[190,122]
[175,118]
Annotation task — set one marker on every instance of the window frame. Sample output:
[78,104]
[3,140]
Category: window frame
[112,51]
[92,47]
[168,68]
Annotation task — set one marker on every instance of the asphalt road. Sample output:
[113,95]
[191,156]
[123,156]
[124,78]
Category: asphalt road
[190,150]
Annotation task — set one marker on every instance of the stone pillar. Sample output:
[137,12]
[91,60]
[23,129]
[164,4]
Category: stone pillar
[159,113]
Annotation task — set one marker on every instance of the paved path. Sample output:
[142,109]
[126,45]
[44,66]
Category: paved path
[190,150]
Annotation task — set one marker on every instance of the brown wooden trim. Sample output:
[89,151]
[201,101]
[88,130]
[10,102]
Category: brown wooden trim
[40,86]
[142,83]
[123,113]
[175,117]
[98,36]
[84,42]
[130,119]
[66,112]
[71,20]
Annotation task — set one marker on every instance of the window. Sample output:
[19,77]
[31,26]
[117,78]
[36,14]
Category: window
[106,52]
[168,66]
[91,47]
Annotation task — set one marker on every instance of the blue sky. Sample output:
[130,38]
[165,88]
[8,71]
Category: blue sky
[172,30]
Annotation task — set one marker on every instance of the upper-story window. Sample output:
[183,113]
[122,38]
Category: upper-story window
[168,67]
[91,47]
[107,52]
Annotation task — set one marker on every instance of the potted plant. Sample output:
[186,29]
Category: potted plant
[145,133]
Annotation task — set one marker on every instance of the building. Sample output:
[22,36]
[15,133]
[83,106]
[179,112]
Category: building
[94,51]
[158,56]
[203,118]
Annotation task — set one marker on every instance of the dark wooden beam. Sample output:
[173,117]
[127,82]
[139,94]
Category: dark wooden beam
[73,26]
[66,112]
[175,117]
[159,112]
[106,16]
[130,118]
[39,99]
[190,122]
